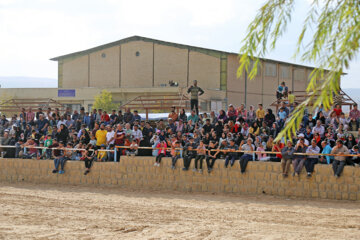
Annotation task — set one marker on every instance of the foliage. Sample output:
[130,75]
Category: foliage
[104,101]
[335,42]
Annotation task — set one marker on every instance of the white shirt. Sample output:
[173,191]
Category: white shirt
[109,136]
[137,134]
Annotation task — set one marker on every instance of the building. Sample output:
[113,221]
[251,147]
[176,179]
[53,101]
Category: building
[139,66]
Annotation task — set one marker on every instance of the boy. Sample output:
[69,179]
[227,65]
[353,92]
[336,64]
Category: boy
[102,154]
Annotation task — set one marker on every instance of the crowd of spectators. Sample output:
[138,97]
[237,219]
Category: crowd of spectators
[204,137]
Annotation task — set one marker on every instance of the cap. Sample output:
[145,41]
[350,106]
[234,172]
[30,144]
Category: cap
[301,135]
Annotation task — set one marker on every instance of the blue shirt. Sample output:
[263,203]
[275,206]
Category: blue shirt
[327,150]
[282,115]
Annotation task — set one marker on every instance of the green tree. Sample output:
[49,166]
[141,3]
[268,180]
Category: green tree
[334,44]
[104,101]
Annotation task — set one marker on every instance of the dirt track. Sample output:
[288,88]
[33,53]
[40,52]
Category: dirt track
[69,212]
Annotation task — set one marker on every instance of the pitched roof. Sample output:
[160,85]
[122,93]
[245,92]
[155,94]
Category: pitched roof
[137,38]
[183,46]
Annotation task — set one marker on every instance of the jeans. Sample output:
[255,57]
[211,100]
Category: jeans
[159,157]
[230,158]
[210,161]
[310,163]
[174,160]
[57,162]
[194,103]
[187,161]
[338,167]
[244,161]
[298,164]
[197,159]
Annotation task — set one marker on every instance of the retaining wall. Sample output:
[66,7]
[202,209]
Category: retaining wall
[139,173]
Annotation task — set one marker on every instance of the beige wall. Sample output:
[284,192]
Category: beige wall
[205,69]
[170,63]
[137,71]
[235,86]
[75,72]
[104,71]
[138,173]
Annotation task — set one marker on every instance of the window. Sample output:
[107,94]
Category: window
[299,75]
[285,71]
[137,53]
[258,74]
[270,70]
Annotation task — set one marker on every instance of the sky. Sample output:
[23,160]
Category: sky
[32,32]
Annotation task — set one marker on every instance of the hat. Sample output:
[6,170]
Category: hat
[301,135]
[102,145]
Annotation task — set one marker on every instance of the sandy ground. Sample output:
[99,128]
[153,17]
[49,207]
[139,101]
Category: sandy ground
[72,212]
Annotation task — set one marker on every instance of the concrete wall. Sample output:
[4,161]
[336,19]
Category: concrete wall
[105,68]
[139,172]
[75,72]
[205,69]
[137,71]
[170,63]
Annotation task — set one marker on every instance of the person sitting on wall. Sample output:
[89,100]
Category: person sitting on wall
[287,157]
[339,161]
[282,91]
[246,157]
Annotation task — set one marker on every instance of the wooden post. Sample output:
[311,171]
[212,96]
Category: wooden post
[147,114]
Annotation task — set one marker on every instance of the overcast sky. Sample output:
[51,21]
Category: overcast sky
[32,32]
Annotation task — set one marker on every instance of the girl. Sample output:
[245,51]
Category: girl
[162,153]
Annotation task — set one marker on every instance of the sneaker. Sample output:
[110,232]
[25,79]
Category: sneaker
[158,164]
[173,167]
[194,170]
[297,174]
[185,169]
[293,174]
[308,174]
[200,171]
[155,164]
[54,171]
[60,172]
[86,172]
[336,176]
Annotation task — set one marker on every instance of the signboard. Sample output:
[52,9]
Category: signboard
[66,93]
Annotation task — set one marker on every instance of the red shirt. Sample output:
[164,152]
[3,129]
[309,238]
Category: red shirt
[105,118]
[338,111]
[278,148]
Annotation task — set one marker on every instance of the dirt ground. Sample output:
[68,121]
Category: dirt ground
[71,212]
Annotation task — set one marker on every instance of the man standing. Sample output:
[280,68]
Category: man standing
[195,93]
[101,136]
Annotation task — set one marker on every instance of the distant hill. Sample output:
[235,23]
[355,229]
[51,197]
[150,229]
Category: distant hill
[27,82]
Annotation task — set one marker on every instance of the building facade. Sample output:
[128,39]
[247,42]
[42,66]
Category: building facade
[139,66]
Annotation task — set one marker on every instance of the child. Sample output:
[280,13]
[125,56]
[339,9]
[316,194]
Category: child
[175,154]
[102,155]
[133,148]
[92,140]
[262,156]
[88,157]
[48,142]
[41,154]
[162,153]
[201,152]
